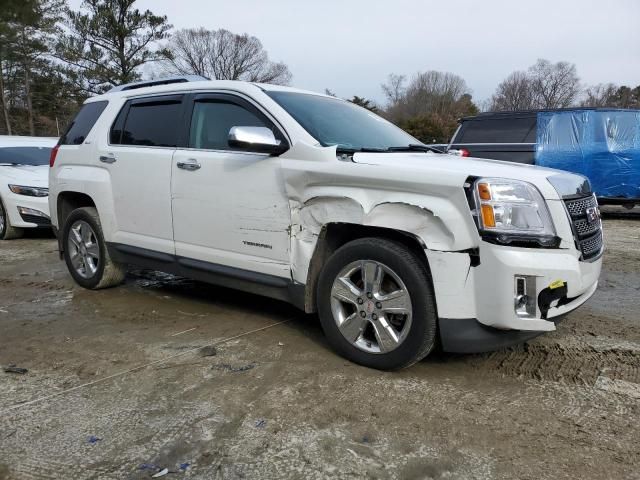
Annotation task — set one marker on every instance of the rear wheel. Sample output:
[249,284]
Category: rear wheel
[376,304]
[7,232]
[85,251]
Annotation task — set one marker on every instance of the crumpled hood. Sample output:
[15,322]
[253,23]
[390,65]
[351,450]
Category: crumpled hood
[465,167]
[25,175]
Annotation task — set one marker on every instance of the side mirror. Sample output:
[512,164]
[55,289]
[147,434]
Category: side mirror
[256,139]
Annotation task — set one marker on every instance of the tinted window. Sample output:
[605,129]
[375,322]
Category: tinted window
[212,120]
[25,155]
[499,130]
[115,135]
[152,123]
[337,122]
[83,123]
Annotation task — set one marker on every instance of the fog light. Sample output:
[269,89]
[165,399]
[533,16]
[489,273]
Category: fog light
[525,296]
[31,211]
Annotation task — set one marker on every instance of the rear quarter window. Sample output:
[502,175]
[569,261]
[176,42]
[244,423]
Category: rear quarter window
[83,122]
[153,122]
[500,130]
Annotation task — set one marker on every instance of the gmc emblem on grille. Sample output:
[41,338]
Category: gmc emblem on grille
[593,214]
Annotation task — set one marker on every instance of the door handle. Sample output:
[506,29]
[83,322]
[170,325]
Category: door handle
[108,158]
[190,164]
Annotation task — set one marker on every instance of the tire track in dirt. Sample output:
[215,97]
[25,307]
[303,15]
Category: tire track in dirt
[581,365]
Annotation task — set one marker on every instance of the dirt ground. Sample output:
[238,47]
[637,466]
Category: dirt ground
[277,403]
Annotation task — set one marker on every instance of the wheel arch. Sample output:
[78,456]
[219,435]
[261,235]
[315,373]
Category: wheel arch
[335,234]
[67,202]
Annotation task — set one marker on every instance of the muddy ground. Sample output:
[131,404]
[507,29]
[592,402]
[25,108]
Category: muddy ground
[278,403]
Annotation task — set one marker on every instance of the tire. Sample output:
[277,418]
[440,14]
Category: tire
[374,337]
[91,267]
[7,232]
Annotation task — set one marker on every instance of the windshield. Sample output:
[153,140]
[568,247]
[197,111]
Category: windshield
[25,155]
[332,121]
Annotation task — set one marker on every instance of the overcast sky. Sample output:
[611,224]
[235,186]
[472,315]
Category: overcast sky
[350,46]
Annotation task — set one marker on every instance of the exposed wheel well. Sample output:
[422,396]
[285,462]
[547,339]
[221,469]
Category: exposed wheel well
[334,235]
[67,203]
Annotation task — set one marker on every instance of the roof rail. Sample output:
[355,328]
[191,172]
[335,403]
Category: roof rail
[159,81]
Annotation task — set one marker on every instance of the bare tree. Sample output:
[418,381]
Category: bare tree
[543,85]
[223,55]
[434,92]
[428,93]
[601,95]
[430,104]
[514,93]
[394,88]
[555,85]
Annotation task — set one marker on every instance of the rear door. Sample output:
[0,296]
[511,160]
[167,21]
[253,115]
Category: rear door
[229,205]
[509,138]
[138,157]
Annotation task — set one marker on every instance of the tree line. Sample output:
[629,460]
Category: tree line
[430,103]
[53,57]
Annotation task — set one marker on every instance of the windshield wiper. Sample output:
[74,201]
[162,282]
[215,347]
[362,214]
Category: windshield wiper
[360,150]
[415,147]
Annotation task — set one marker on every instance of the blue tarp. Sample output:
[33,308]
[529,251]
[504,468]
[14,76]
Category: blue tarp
[603,145]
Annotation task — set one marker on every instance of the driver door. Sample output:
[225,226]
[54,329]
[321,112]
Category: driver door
[229,205]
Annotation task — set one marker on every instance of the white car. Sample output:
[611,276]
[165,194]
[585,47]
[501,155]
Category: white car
[24,184]
[313,200]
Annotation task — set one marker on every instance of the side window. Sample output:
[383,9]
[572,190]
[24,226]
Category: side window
[213,118]
[115,135]
[500,130]
[83,123]
[153,122]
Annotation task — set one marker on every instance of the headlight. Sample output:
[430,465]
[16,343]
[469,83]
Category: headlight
[512,211]
[29,191]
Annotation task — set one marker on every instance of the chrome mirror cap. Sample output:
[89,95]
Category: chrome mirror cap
[255,139]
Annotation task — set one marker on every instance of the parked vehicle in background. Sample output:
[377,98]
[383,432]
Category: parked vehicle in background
[319,202]
[24,182]
[602,144]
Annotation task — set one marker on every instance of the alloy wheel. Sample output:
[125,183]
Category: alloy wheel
[371,306]
[84,251]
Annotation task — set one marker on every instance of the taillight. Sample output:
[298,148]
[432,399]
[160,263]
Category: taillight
[52,157]
[464,152]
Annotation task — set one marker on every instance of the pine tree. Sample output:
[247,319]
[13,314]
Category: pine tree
[107,42]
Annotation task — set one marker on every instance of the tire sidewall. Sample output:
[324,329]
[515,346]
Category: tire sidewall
[417,282]
[82,214]
[3,230]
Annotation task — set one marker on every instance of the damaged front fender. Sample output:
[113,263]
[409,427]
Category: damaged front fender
[323,190]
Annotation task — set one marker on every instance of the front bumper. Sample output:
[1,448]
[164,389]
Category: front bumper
[494,284]
[476,301]
[27,212]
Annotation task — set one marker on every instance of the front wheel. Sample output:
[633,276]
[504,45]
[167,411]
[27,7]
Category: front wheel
[85,251]
[7,232]
[376,304]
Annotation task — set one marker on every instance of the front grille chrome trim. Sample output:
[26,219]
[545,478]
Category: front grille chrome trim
[587,233]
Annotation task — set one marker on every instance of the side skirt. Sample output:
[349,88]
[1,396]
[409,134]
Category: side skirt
[222,275]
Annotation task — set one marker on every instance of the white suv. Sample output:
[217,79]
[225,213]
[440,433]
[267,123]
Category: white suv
[318,202]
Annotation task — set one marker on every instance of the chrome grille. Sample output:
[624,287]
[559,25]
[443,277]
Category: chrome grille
[584,228]
[579,207]
[587,231]
[591,246]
